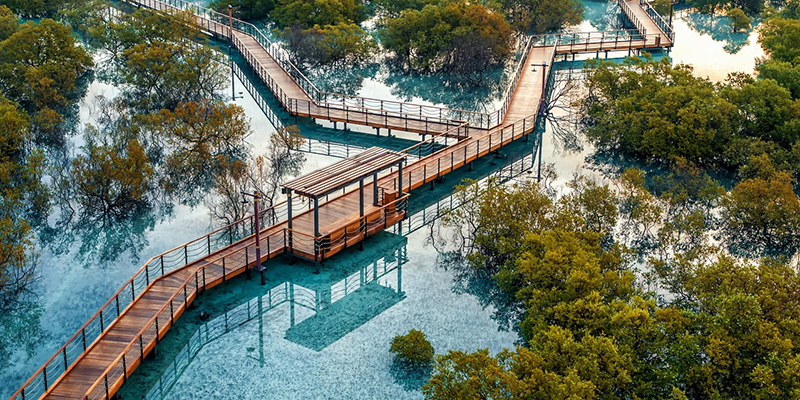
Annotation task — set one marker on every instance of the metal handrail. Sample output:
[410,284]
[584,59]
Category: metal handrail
[659,19]
[153,322]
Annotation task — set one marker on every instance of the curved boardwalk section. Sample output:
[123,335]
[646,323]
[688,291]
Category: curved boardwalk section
[97,360]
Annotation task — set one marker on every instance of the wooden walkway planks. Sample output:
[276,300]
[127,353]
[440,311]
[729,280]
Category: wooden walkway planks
[105,364]
[636,11]
[527,97]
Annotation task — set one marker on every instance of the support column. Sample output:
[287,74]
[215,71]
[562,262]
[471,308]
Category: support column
[361,197]
[375,189]
[316,217]
[400,178]
[289,208]
[289,219]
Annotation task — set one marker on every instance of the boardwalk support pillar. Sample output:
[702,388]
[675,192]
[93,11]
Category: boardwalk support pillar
[375,189]
[316,217]
[361,213]
[400,178]
[288,219]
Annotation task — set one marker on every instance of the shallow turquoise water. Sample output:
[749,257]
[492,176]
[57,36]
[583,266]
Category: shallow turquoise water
[358,363]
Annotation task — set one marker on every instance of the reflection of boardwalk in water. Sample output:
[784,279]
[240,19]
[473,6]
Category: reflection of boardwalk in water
[336,310]
[311,332]
[97,360]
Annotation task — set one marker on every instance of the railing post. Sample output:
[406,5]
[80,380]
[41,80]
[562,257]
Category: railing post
[65,358]
[124,369]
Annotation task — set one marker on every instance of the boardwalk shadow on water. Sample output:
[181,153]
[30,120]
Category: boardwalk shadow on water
[318,310]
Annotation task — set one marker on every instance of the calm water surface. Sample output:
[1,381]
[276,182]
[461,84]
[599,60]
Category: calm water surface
[325,343]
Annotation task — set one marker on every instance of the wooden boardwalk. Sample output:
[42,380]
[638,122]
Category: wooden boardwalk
[95,367]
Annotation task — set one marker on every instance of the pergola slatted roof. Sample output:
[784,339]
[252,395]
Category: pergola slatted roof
[333,177]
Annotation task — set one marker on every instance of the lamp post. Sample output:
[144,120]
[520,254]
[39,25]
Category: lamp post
[230,45]
[671,3]
[544,86]
[256,197]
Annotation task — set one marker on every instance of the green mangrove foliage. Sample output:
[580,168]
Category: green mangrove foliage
[247,10]
[308,13]
[332,45]
[739,20]
[412,348]
[163,59]
[712,6]
[590,330]
[457,36]
[540,16]
[23,200]
[663,113]
[779,37]
[40,69]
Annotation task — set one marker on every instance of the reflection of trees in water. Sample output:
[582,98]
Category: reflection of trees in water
[101,238]
[562,107]
[479,282]
[447,90]
[343,80]
[603,15]
[410,377]
[20,327]
[719,28]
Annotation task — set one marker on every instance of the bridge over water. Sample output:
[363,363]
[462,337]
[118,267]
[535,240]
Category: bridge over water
[98,359]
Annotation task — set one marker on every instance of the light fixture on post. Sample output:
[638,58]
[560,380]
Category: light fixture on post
[230,45]
[257,228]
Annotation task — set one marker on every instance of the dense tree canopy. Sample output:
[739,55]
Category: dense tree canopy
[540,16]
[724,329]
[458,36]
[659,111]
[308,13]
[779,37]
[112,177]
[23,200]
[331,45]
[40,66]
[393,8]
[664,113]
[36,8]
[164,59]
[245,9]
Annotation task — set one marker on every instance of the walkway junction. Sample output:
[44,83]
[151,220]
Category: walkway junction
[327,210]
